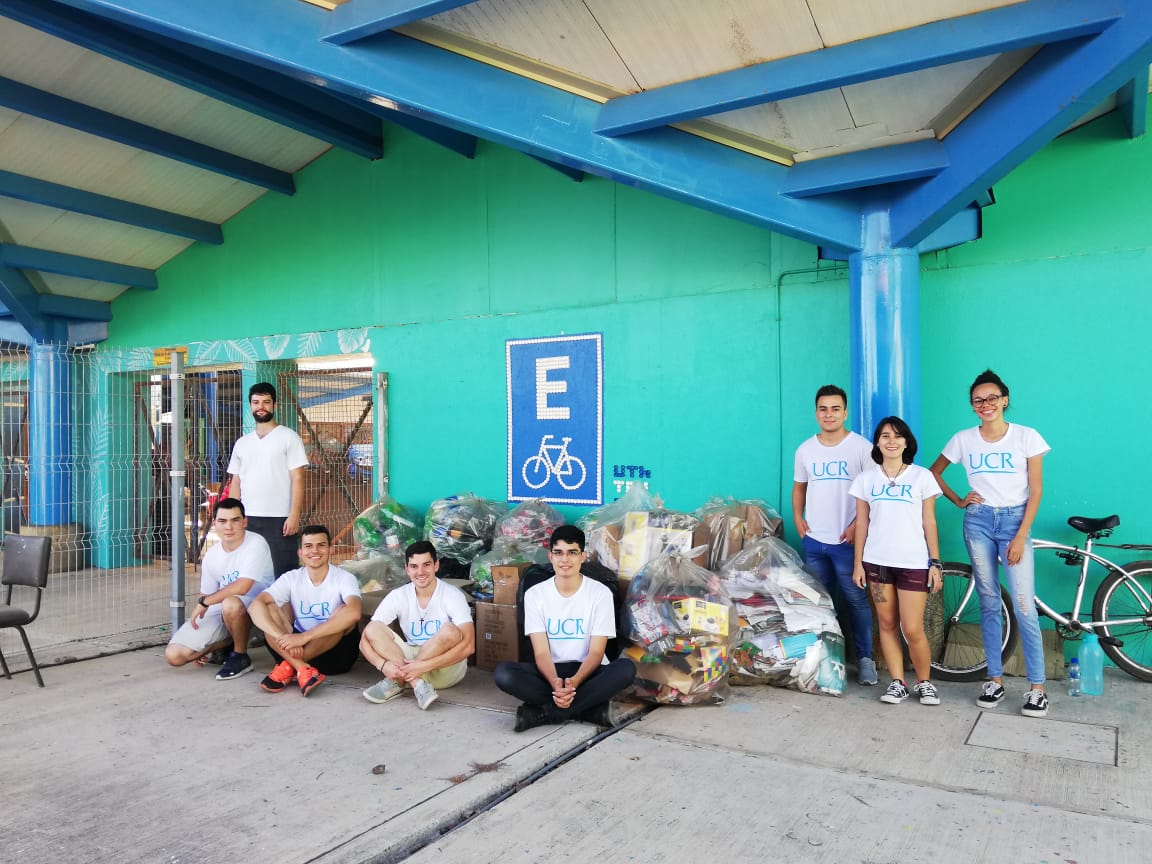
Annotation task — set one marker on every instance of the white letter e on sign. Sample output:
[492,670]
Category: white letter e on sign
[544,411]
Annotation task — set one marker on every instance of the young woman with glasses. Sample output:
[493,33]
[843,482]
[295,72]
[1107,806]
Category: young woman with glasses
[1005,477]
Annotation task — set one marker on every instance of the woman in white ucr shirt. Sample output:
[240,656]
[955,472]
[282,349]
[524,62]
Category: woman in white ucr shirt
[1004,465]
[897,553]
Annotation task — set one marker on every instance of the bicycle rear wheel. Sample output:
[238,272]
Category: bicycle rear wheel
[1127,595]
[952,625]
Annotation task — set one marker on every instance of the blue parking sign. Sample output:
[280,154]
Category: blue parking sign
[555,418]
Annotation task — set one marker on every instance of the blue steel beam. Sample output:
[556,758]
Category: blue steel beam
[1056,87]
[104,207]
[1132,101]
[461,143]
[286,102]
[23,302]
[913,161]
[360,19]
[929,45]
[494,104]
[66,112]
[27,258]
[574,174]
[59,306]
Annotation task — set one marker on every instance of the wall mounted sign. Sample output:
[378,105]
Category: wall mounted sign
[555,418]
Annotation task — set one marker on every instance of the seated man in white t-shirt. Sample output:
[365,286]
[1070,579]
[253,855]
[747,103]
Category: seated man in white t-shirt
[438,639]
[309,617]
[232,575]
[569,620]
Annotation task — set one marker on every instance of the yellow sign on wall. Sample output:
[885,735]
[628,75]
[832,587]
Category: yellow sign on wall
[163,356]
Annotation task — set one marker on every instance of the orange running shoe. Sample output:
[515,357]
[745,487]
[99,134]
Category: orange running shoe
[279,678]
[309,679]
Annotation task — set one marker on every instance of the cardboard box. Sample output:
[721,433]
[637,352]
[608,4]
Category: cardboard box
[496,636]
[641,541]
[506,582]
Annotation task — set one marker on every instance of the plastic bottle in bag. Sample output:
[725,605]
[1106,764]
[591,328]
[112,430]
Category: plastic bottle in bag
[1091,666]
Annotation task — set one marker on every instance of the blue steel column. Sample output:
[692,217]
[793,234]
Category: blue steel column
[49,436]
[884,283]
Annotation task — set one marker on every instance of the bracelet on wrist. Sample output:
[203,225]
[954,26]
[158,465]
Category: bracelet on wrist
[935,562]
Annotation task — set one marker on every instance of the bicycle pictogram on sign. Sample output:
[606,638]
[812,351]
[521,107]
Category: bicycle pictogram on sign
[568,470]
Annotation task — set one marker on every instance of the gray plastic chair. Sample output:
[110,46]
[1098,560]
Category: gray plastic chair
[25,564]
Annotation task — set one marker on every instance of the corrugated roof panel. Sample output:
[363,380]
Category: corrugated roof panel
[86,289]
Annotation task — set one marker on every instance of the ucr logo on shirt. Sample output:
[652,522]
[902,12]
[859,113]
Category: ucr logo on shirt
[991,463]
[422,631]
[835,470]
[565,628]
[886,492]
[229,578]
[317,611]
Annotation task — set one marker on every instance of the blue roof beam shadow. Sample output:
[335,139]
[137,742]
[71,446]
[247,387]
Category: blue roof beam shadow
[460,143]
[574,174]
[936,44]
[273,97]
[1057,86]
[104,207]
[359,19]
[1132,100]
[864,168]
[44,261]
[494,104]
[66,112]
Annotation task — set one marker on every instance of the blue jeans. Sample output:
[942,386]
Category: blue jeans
[832,564]
[987,533]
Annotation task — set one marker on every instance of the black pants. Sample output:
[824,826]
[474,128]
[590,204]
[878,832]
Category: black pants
[271,528]
[336,660]
[524,681]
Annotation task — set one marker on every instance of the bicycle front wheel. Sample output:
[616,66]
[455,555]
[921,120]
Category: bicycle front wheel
[1127,595]
[952,625]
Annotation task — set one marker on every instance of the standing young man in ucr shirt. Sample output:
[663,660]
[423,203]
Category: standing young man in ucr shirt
[825,515]
[267,469]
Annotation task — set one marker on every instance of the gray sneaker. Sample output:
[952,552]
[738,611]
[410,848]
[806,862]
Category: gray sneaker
[425,694]
[866,672]
[382,691]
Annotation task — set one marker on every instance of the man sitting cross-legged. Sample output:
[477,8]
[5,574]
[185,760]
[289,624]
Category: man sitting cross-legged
[309,617]
[438,633]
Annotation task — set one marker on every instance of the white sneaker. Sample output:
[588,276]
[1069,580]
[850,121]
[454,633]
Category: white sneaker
[425,694]
[382,691]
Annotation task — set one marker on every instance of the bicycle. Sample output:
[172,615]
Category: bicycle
[1121,608]
[539,469]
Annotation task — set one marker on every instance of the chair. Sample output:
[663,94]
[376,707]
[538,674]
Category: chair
[25,564]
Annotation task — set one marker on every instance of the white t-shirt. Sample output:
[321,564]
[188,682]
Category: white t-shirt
[262,464]
[250,560]
[997,472]
[447,603]
[312,605]
[570,622]
[896,515]
[829,472]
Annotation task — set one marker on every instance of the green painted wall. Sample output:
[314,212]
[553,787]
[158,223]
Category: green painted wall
[716,334]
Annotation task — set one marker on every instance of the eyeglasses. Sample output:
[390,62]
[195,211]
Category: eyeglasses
[987,400]
[566,553]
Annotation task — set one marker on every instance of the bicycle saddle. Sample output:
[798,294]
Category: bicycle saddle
[1092,526]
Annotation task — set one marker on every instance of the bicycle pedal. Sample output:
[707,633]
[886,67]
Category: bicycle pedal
[1111,641]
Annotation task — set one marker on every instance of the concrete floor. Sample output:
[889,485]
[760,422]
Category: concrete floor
[121,759]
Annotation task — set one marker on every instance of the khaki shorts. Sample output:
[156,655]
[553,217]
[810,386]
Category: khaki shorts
[210,630]
[438,678]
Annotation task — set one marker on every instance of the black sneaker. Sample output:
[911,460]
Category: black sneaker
[896,693]
[235,666]
[531,716]
[218,657]
[990,695]
[601,715]
[1035,704]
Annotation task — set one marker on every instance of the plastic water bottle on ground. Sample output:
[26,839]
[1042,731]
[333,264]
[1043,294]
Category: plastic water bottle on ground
[1074,677]
[1091,666]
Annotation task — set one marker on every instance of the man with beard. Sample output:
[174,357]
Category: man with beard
[267,469]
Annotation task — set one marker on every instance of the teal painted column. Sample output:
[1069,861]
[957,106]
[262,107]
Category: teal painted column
[49,436]
[884,286]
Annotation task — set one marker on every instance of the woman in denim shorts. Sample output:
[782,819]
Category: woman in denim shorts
[897,553]
[1005,475]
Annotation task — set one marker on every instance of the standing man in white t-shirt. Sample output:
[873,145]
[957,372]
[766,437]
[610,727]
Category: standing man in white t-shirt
[438,639]
[825,515]
[569,620]
[232,575]
[267,469]
[309,617]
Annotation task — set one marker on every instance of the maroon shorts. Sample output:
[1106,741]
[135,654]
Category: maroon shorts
[904,578]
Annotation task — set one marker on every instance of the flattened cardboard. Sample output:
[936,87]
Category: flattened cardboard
[496,637]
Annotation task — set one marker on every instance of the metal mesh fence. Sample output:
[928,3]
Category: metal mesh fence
[86,444]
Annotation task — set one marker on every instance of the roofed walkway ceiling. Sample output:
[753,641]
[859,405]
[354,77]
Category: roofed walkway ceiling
[132,128]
